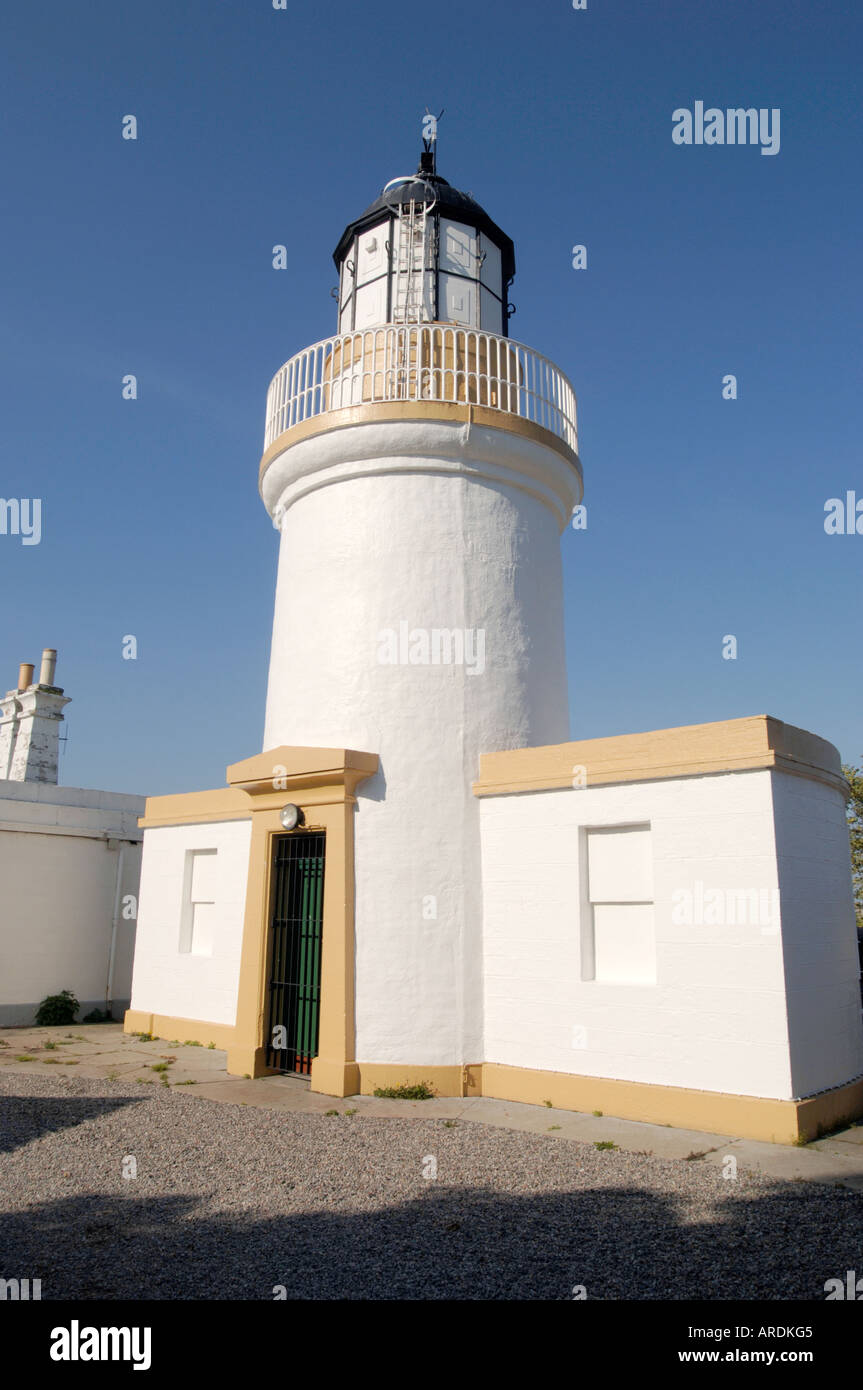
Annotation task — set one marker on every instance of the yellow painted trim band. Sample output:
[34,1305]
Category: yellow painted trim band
[452,1080]
[733,745]
[713,1112]
[222,803]
[271,778]
[716,1112]
[221,1035]
[832,1110]
[456,411]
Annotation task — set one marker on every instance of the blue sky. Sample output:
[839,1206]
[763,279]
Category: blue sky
[257,127]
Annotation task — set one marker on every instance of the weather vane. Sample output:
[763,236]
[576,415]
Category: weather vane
[430,134]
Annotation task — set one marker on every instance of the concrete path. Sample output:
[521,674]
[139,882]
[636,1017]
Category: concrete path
[103,1050]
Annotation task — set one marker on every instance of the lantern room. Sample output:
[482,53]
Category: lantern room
[423,252]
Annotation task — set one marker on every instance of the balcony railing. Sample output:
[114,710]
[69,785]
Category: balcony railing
[421,362]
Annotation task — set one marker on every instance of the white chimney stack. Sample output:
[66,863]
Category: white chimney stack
[30,719]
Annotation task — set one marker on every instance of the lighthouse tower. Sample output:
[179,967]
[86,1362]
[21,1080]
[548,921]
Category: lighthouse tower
[420,466]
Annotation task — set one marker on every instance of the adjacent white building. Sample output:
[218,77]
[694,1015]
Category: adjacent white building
[69,865]
[422,877]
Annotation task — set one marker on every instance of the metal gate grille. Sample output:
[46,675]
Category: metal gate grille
[295,951]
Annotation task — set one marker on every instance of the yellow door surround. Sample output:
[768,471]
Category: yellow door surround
[322,782]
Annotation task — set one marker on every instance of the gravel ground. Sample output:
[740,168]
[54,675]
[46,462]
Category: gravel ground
[230,1201]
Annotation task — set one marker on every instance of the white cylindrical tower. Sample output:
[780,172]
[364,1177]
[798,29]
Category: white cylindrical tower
[420,467]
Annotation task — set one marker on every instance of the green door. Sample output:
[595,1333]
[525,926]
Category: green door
[295,951]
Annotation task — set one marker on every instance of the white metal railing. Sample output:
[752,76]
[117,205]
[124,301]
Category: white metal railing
[421,362]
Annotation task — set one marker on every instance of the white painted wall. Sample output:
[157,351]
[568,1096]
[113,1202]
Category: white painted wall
[717,1016]
[59,859]
[185,983]
[443,527]
[819,934]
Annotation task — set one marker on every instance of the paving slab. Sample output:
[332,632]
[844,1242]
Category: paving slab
[73,1047]
[847,1153]
[238,1092]
[127,1057]
[663,1141]
[96,1034]
[790,1162]
[854,1135]
[38,1064]
[436,1108]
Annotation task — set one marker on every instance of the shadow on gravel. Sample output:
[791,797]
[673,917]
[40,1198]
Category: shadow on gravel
[451,1243]
[25,1118]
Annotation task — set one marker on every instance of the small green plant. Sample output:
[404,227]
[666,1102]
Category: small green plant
[554,1127]
[191,1043]
[112,1075]
[144,1037]
[604,1144]
[420,1091]
[70,1064]
[450,1124]
[211,1047]
[185,1083]
[50,1046]
[57,1009]
[548,1103]
[350,1112]
[160,1066]
[331,1112]
[24,1057]
[597,1113]
[801,1141]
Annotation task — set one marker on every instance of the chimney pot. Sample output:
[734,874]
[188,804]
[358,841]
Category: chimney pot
[25,675]
[49,663]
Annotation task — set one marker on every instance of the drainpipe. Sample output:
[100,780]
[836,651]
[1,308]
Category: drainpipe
[115,923]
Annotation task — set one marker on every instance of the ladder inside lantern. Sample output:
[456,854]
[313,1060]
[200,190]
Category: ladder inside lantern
[410,268]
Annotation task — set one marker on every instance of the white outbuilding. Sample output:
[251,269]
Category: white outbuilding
[69,865]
